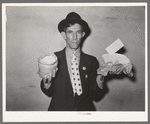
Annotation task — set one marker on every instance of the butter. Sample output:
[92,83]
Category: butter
[49,59]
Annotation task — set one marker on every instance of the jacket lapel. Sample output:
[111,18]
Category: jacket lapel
[66,77]
[82,66]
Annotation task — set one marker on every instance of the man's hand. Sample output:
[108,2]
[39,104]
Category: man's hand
[104,68]
[50,75]
[128,70]
[47,78]
[117,68]
[109,67]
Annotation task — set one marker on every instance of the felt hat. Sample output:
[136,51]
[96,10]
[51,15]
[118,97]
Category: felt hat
[73,17]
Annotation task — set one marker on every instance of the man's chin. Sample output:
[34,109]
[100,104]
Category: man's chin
[74,48]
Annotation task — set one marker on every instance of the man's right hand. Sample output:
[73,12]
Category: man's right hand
[48,77]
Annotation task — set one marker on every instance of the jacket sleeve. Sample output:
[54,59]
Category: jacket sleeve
[95,92]
[48,92]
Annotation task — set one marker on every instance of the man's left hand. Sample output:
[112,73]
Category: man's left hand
[117,68]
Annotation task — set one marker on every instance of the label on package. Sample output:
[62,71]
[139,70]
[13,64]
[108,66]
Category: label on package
[115,46]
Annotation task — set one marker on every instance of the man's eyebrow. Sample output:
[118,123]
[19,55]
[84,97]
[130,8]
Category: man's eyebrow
[69,30]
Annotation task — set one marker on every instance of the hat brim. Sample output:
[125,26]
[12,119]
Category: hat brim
[67,21]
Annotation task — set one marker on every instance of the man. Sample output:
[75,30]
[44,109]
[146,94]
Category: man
[75,83]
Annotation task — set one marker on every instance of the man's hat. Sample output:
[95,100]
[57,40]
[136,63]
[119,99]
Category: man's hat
[73,17]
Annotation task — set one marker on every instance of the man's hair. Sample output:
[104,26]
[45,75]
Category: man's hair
[71,24]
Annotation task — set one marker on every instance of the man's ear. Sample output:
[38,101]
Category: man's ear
[63,34]
[83,34]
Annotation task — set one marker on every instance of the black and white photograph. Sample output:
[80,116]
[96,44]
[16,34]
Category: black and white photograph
[78,61]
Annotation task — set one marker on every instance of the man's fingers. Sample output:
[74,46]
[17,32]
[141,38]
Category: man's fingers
[119,71]
[50,77]
[47,78]
[124,70]
[44,79]
[116,69]
[128,70]
[53,74]
[56,69]
[131,74]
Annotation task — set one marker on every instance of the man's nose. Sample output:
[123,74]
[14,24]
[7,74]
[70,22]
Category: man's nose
[75,36]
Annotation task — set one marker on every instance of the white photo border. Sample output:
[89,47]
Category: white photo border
[36,116]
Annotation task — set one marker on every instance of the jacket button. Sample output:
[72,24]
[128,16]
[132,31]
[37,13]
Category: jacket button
[86,76]
[84,68]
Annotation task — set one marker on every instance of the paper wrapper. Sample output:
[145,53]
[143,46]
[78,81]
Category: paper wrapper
[47,63]
[113,59]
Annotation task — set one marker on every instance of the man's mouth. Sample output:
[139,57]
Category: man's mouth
[74,41]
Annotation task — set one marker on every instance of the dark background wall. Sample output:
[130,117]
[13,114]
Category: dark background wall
[32,31]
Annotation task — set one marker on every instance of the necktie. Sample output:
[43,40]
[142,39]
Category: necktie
[76,82]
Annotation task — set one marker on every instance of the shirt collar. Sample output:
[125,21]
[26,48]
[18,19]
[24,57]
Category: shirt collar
[69,52]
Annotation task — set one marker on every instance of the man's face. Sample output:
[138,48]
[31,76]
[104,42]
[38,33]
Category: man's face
[73,36]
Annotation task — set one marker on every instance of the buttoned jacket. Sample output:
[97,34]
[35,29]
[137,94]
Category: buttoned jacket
[61,89]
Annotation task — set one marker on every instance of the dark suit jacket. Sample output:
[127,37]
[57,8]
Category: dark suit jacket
[61,89]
